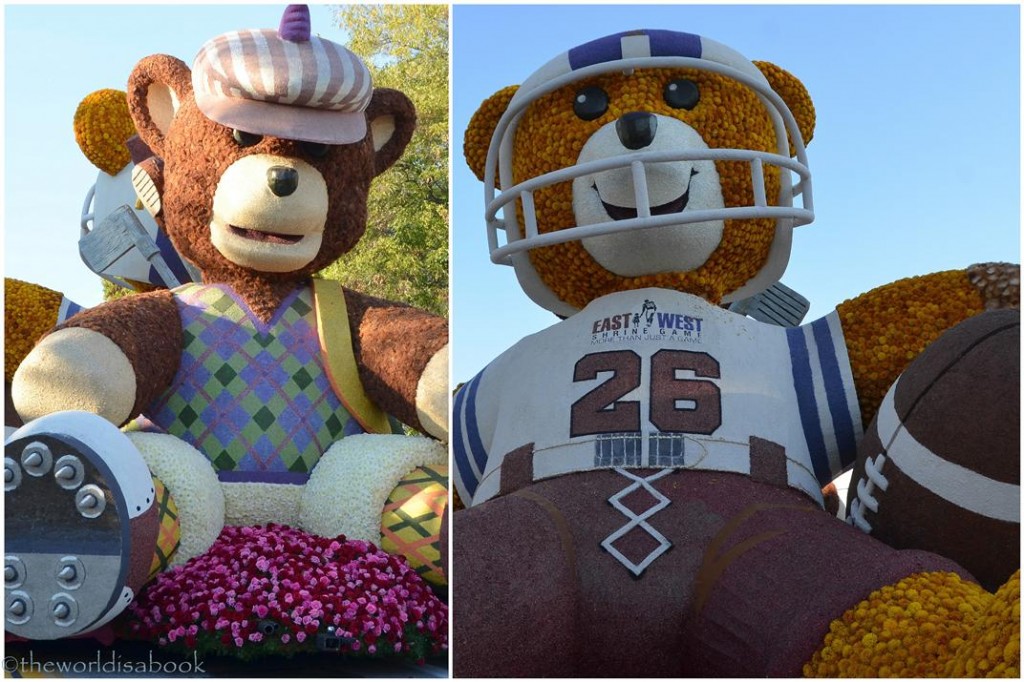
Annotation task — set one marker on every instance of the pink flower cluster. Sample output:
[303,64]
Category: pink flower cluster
[274,589]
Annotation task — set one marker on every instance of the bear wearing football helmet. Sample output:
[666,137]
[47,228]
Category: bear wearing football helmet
[648,182]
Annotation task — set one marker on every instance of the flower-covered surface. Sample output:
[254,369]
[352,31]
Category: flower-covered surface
[912,629]
[168,538]
[913,626]
[278,590]
[251,395]
[411,523]
[993,649]
[737,120]
[350,486]
[731,117]
[897,321]
[102,124]
[193,485]
[29,311]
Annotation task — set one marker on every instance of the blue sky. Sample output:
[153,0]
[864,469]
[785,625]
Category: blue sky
[53,57]
[915,158]
[916,155]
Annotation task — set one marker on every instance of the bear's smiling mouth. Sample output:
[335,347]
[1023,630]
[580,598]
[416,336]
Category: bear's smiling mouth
[267,237]
[625,212]
[677,205]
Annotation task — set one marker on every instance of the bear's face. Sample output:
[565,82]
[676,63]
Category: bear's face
[649,110]
[710,113]
[244,206]
[264,204]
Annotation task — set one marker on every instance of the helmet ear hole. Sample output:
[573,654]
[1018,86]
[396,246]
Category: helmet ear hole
[795,95]
[481,128]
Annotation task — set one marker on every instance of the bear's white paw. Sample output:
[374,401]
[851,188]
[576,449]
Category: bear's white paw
[349,486]
[194,486]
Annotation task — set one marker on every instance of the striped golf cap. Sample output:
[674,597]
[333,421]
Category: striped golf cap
[285,83]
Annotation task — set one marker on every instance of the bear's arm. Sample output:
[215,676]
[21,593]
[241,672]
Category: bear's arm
[393,344]
[146,328]
[889,326]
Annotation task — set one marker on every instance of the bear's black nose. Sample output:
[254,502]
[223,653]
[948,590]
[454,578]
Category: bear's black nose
[636,129]
[282,180]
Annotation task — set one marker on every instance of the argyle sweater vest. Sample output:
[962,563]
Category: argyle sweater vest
[253,397]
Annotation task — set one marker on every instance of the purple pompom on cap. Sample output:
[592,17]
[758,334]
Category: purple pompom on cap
[295,25]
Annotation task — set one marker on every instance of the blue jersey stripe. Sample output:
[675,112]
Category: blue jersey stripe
[838,407]
[463,468]
[803,382]
[476,446]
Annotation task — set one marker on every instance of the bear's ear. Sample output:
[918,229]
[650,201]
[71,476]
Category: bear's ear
[156,89]
[481,128]
[794,94]
[392,119]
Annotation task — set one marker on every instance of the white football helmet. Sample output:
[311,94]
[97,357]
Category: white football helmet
[632,174]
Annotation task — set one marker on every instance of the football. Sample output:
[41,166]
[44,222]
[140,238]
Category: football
[939,466]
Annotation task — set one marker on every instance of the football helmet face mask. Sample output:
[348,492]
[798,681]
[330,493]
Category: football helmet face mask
[621,175]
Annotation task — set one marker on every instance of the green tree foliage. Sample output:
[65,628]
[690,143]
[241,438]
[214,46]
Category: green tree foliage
[404,253]
[111,291]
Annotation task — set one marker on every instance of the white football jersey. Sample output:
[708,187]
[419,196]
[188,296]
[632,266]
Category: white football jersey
[657,378]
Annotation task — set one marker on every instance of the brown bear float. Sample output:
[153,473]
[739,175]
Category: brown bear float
[643,479]
[270,395]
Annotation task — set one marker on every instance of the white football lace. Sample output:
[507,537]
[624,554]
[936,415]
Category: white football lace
[865,492]
[638,520]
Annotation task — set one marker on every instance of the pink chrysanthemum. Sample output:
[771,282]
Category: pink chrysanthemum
[274,589]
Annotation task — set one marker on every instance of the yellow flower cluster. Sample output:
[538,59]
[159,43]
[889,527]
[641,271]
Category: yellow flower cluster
[993,646]
[102,126]
[481,127]
[794,95]
[550,136]
[889,326]
[910,629]
[29,312]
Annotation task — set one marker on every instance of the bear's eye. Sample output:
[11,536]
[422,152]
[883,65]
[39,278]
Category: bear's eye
[315,149]
[590,103]
[682,94]
[245,139]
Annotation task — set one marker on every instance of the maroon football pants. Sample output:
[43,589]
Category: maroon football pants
[754,577]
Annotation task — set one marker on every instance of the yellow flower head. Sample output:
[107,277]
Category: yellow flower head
[885,344]
[926,625]
[992,648]
[29,311]
[102,126]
